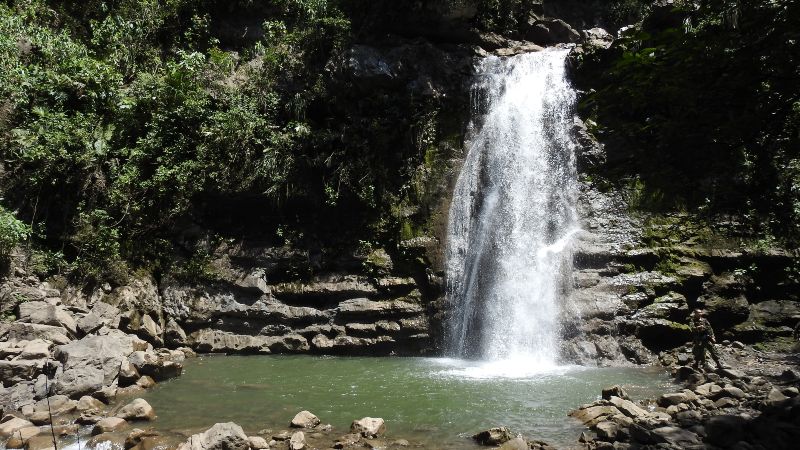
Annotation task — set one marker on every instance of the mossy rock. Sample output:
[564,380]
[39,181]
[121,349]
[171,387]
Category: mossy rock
[724,311]
[752,332]
[379,263]
[662,334]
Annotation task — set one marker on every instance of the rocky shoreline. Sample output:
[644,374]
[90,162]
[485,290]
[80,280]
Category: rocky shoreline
[57,385]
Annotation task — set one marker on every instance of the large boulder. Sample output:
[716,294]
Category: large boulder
[43,313]
[597,38]
[94,361]
[101,314]
[725,430]
[36,349]
[79,381]
[143,326]
[369,427]
[304,419]
[108,425]
[221,436]
[660,334]
[725,311]
[137,409]
[174,336]
[547,31]
[20,331]
[158,367]
[775,312]
[139,296]
[10,426]
[18,370]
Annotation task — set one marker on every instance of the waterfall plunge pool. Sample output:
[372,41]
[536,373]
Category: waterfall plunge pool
[435,402]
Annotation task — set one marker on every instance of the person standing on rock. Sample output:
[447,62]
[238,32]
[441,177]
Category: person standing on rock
[702,340]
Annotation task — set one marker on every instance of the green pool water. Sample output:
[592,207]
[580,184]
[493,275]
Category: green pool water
[436,402]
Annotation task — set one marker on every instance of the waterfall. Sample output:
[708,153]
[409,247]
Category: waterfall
[513,213]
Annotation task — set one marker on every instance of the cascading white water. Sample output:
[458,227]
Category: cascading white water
[513,213]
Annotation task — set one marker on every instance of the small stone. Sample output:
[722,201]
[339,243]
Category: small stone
[89,418]
[726,402]
[282,436]
[733,391]
[297,441]
[346,441]
[258,443]
[304,419]
[145,382]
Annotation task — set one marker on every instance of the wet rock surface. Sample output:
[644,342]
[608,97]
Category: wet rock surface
[726,408]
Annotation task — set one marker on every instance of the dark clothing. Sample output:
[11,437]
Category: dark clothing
[702,341]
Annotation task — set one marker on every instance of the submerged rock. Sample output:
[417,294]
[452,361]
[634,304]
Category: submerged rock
[614,391]
[493,436]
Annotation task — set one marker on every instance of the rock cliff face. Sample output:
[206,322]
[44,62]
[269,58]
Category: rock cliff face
[637,274]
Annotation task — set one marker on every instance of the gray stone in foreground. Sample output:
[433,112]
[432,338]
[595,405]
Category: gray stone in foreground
[297,441]
[108,424]
[368,426]
[221,436]
[138,409]
[304,419]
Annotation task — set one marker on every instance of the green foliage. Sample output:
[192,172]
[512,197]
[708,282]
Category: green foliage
[501,15]
[120,117]
[12,232]
[700,101]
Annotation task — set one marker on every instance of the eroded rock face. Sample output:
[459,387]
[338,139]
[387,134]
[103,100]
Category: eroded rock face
[43,313]
[93,362]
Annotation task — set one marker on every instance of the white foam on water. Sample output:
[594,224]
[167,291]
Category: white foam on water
[513,217]
[520,367]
